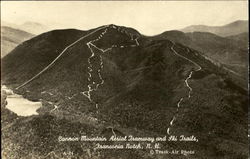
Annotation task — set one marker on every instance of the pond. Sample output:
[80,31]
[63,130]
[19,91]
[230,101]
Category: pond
[19,105]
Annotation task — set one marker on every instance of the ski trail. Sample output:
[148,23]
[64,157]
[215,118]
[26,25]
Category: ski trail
[187,85]
[189,76]
[174,117]
[138,69]
[72,96]
[172,48]
[94,85]
[113,131]
[186,82]
[51,153]
[55,108]
[65,49]
[136,40]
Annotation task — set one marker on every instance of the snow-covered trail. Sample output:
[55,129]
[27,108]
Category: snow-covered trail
[94,70]
[186,84]
[93,84]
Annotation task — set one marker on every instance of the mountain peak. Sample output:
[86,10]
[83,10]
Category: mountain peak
[125,29]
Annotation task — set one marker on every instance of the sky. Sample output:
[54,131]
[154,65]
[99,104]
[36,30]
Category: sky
[148,17]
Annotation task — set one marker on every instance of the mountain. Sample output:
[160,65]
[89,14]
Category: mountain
[113,80]
[11,37]
[242,38]
[34,27]
[228,51]
[233,28]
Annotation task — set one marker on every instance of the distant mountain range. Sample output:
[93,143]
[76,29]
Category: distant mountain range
[233,28]
[14,34]
[30,27]
[11,37]
[137,85]
[34,28]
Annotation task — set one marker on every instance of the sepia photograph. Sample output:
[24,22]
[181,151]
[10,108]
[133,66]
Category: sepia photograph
[125,79]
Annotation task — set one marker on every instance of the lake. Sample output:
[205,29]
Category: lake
[19,105]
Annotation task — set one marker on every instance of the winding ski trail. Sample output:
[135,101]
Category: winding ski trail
[186,84]
[92,70]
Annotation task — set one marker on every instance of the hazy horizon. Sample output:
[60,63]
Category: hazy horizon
[149,18]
